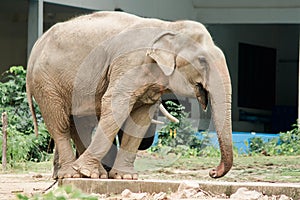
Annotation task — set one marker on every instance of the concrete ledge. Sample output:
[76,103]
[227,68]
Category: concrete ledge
[110,186]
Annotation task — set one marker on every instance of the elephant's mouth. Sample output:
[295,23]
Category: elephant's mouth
[202,95]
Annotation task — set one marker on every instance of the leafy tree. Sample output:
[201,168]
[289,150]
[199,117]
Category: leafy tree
[22,144]
[182,135]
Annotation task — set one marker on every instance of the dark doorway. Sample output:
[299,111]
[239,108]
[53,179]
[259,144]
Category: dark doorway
[257,78]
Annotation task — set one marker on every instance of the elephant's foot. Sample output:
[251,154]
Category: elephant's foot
[124,166]
[55,173]
[129,174]
[89,166]
[66,171]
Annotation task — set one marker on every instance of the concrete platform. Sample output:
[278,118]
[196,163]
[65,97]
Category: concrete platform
[110,186]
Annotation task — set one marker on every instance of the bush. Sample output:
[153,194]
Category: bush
[174,134]
[288,143]
[181,136]
[62,193]
[256,145]
[22,144]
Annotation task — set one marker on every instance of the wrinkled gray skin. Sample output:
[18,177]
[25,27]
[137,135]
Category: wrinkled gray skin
[114,67]
[81,136]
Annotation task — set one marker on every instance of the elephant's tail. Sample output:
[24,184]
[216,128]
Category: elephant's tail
[31,107]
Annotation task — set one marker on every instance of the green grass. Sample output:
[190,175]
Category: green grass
[24,167]
[256,168]
[171,166]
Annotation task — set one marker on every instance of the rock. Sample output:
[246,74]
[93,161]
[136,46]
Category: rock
[265,197]
[283,197]
[131,195]
[245,194]
[139,196]
[126,193]
[160,196]
[187,189]
[200,195]
[188,185]
[189,193]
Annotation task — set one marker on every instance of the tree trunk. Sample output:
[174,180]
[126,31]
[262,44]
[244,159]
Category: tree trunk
[4,140]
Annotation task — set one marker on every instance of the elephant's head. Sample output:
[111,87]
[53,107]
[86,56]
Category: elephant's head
[195,67]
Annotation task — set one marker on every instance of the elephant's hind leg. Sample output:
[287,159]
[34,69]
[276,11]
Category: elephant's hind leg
[81,129]
[58,125]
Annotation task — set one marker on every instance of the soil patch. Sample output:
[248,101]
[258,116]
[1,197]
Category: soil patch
[36,177]
[30,184]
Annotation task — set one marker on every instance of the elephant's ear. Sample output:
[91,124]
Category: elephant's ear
[163,52]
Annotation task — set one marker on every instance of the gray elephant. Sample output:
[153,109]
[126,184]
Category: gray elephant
[82,135]
[114,67]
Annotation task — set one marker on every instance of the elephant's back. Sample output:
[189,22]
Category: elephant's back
[73,40]
[60,51]
[88,31]
[94,28]
[65,45]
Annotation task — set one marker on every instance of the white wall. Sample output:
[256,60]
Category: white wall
[213,11]
[167,9]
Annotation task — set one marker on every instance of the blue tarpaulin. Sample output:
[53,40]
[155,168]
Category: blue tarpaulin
[240,139]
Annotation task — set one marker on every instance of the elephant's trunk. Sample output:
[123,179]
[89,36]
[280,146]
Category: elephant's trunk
[219,88]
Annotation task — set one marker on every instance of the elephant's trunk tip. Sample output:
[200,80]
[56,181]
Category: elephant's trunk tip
[221,170]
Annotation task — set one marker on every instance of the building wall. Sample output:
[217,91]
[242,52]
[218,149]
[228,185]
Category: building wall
[287,66]
[14,28]
[282,37]
[13,39]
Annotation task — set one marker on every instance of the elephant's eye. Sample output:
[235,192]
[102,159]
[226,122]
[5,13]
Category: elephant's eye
[202,60]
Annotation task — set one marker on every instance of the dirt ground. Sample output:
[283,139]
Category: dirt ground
[29,184]
[36,178]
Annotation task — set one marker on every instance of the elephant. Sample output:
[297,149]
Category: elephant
[82,133]
[114,67]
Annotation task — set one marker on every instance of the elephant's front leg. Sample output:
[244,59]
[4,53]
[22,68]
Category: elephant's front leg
[135,128]
[81,129]
[111,120]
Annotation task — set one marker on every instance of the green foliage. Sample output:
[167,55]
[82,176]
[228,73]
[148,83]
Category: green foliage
[210,151]
[256,145]
[61,193]
[174,134]
[22,144]
[181,136]
[288,143]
